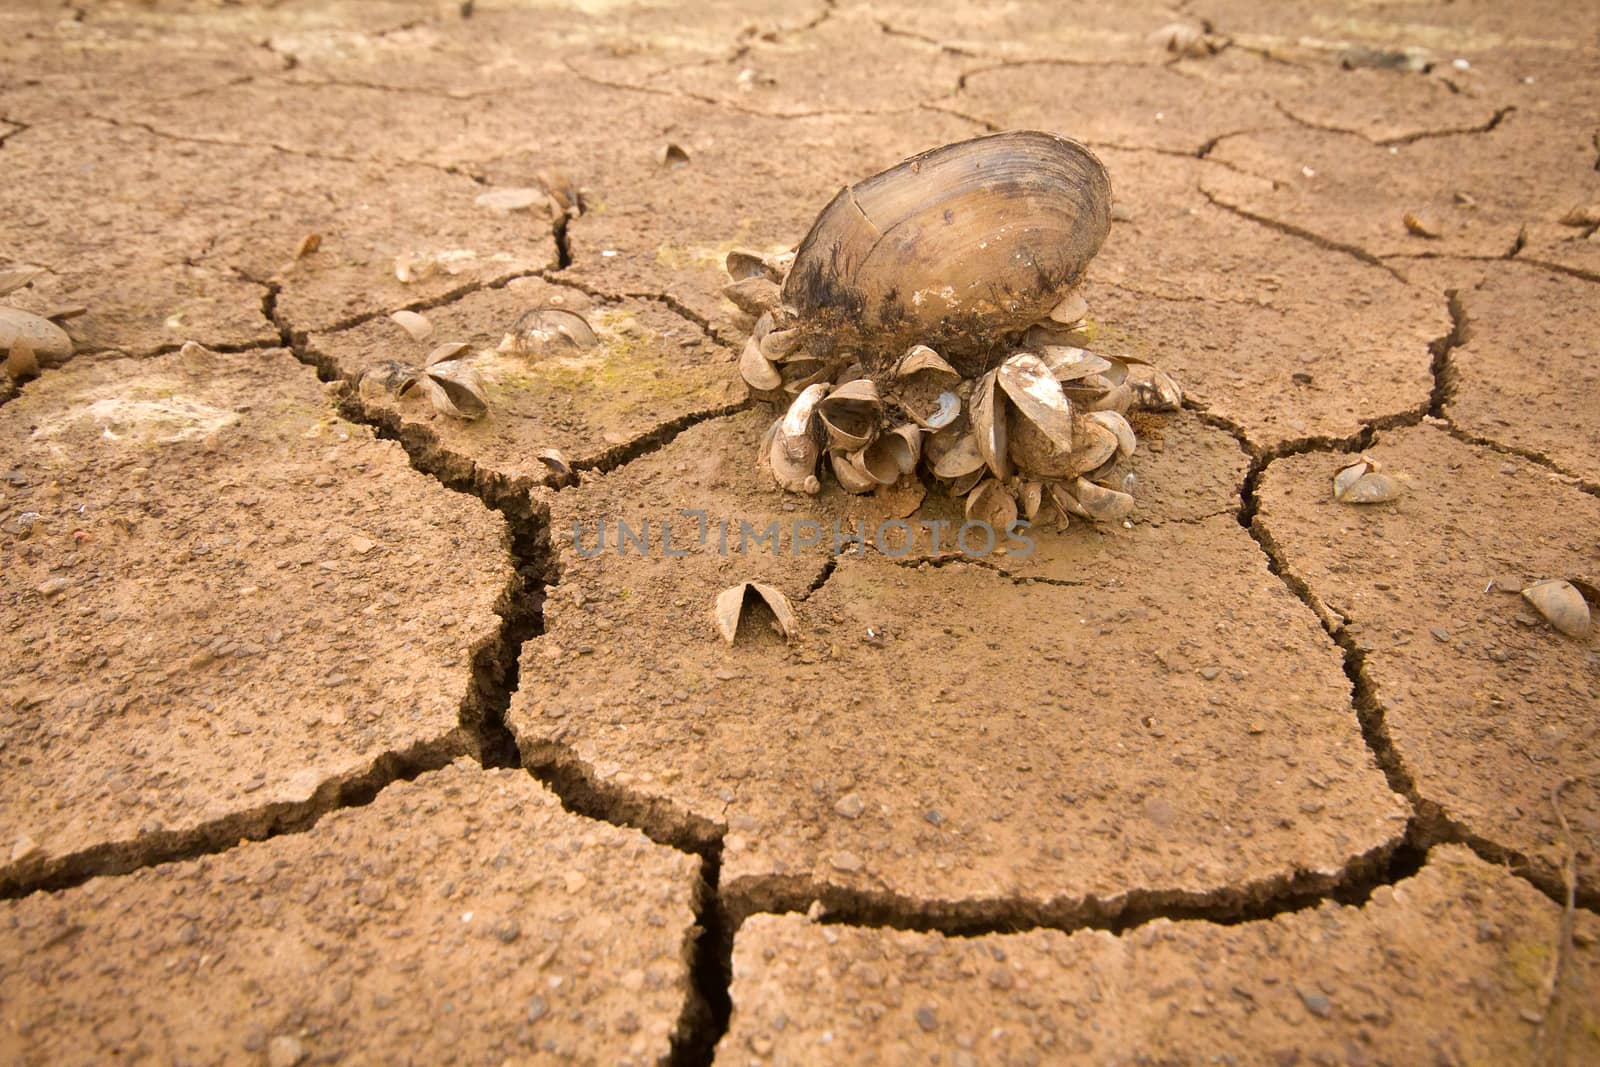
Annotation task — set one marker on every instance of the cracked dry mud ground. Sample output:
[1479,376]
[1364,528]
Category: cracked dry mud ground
[326,738]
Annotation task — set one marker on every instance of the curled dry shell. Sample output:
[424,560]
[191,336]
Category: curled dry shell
[562,191]
[1119,426]
[897,451]
[733,602]
[850,415]
[456,389]
[413,323]
[1040,422]
[853,476]
[21,363]
[753,296]
[1562,605]
[63,312]
[794,451]
[756,369]
[550,329]
[670,155]
[48,341]
[1154,389]
[447,351]
[779,345]
[389,376]
[991,503]
[1102,504]
[1419,226]
[963,485]
[920,359]
[1363,482]
[1118,398]
[14,278]
[1030,498]
[556,460]
[1095,446]
[989,425]
[742,265]
[308,244]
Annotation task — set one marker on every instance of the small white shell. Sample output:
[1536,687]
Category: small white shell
[414,324]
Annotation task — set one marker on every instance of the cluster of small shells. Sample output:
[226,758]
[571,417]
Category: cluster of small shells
[28,341]
[1040,435]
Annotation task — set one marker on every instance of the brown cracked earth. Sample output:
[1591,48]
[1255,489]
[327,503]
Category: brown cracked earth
[327,737]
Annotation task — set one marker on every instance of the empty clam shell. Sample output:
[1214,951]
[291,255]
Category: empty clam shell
[734,602]
[456,389]
[1064,501]
[897,450]
[48,341]
[1068,363]
[1562,605]
[1102,504]
[505,200]
[1038,454]
[1049,332]
[415,324]
[756,369]
[778,345]
[850,414]
[794,451]
[552,329]
[801,374]
[1096,444]
[671,155]
[1363,483]
[1030,499]
[953,453]
[989,425]
[1118,425]
[947,411]
[753,296]
[1154,389]
[1072,308]
[389,376]
[963,485]
[991,503]
[1037,396]
[1119,399]
[852,475]
[922,359]
[445,352]
[555,459]
[1348,476]
[742,265]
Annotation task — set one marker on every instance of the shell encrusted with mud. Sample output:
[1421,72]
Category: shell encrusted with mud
[931,317]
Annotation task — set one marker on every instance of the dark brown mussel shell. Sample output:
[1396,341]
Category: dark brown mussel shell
[960,248]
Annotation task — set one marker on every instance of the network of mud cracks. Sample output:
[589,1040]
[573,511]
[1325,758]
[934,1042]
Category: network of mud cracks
[1260,772]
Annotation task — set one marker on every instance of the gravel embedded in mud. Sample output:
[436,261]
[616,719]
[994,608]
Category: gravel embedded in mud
[221,602]
[1490,717]
[651,367]
[1447,966]
[1047,748]
[463,917]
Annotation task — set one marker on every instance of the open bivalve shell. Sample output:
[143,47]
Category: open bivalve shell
[850,415]
[1562,605]
[1363,482]
[795,449]
[736,601]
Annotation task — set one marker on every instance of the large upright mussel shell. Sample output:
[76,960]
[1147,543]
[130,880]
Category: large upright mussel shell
[960,248]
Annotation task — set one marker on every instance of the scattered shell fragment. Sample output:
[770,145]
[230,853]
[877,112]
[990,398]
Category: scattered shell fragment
[1187,39]
[413,323]
[991,503]
[556,460]
[743,264]
[1363,482]
[64,312]
[1419,226]
[1562,605]
[671,155]
[548,329]
[21,363]
[1071,310]
[308,244]
[14,278]
[563,192]
[447,351]
[48,341]
[1580,217]
[1102,504]
[1153,388]
[733,602]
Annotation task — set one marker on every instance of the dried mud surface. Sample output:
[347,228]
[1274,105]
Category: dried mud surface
[1254,775]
